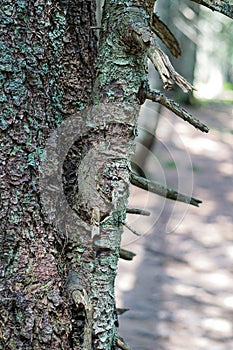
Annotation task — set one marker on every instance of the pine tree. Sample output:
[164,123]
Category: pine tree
[69,111]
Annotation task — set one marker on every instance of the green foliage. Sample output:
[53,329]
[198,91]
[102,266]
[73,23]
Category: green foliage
[227,85]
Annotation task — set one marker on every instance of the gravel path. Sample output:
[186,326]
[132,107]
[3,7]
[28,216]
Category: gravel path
[179,288]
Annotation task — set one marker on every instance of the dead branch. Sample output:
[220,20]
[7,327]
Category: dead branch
[161,190]
[221,6]
[157,96]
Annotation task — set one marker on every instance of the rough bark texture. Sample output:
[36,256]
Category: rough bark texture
[60,236]
[47,50]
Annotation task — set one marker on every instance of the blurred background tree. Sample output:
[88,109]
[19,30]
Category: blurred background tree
[206,62]
[182,19]
[214,66]
[206,40]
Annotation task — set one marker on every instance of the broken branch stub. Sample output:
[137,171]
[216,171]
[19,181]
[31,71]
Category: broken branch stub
[165,69]
[121,344]
[157,96]
[145,38]
[126,254]
[161,190]
[164,34]
[137,211]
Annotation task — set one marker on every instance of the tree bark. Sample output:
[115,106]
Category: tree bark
[66,173]
[48,51]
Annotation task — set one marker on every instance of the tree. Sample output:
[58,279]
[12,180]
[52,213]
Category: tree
[58,272]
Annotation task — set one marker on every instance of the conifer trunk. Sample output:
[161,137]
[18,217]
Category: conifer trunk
[48,52]
[68,124]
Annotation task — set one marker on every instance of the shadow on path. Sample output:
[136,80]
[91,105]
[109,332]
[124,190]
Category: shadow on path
[179,288]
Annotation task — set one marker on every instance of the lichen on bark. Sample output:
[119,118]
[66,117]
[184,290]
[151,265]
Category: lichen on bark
[60,247]
[35,72]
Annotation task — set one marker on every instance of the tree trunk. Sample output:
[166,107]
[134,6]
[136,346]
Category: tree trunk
[48,51]
[66,172]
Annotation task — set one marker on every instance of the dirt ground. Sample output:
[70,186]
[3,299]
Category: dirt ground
[179,288]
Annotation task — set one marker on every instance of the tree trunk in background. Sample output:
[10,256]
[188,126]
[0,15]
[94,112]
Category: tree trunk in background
[182,19]
[46,70]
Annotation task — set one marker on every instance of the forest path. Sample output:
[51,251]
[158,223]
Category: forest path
[179,288]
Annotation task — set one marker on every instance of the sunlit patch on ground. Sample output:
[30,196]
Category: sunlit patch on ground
[180,294]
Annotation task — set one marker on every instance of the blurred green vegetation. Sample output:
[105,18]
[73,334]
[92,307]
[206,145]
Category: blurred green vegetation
[227,85]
